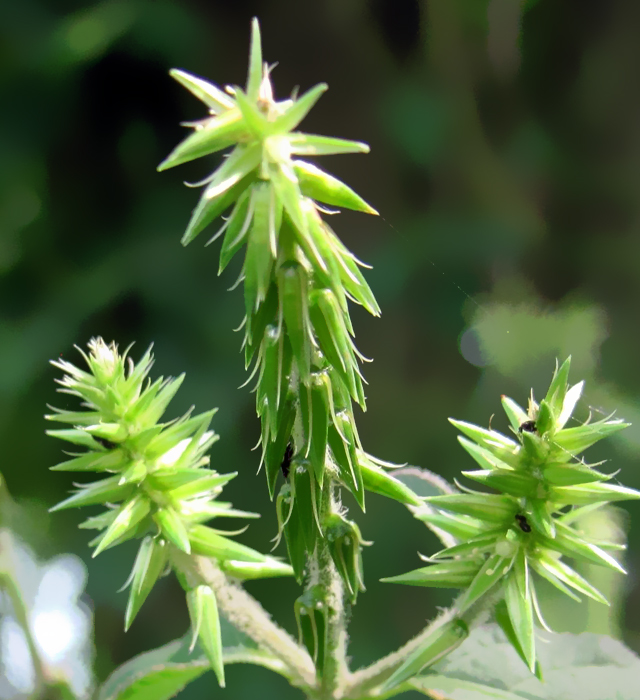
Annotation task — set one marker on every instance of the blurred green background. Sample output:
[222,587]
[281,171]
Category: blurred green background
[505,154]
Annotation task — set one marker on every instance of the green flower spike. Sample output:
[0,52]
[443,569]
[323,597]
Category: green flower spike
[297,274]
[160,488]
[528,526]
[298,278]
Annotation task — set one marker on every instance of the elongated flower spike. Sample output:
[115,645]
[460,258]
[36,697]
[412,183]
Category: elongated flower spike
[159,487]
[297,278]
[529,525]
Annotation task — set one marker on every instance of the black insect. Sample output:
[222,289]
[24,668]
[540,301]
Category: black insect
[529,426]
[522,521]
[286,460]
[107,444]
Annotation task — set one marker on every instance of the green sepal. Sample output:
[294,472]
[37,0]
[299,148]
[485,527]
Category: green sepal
[206,542]
[265,314]
[213,97]
[171,526]
[274,372]
[107,490]
[113,460]
[239,172]
[585,494]
[354,283]
[205,623]
[486,458]
[443,641]
[377,480]
[569,543]
[297,111]
[571,474]
[80,437]
[491,572]
[319,185]
[333,346]
[496,443]
[273,450]
[553,579]
[488,507]
[237,230]
[450,574]
[545,420]
[208,483]
[504,621]
[150,562]
[538,512]
[293,286]
[254,120]
[306,498]
[151,411]
[250,570]
[514,483]
[343,446]
[567,575]
[128,517]
[259,258]
[520,608]
[295,543]
[254,77]
[313,145]
[135,474]
[285,183]
[344,541]
[99,522]
[558,387]
[462,527]
[535,447]
[516,415]
[320,391]
[572,441]
[213,135]
[169,479]
[476,546]
[310,613]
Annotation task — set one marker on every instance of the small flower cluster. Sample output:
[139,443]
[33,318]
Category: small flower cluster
[160,488]
[297,279]
[530,524]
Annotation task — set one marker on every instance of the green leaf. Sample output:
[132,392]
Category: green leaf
[154,675]
[322,187]
[576,667]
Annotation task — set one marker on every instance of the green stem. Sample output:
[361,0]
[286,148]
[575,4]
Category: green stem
[323,572]
[248,616]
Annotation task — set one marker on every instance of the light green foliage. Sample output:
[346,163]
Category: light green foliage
[525,528]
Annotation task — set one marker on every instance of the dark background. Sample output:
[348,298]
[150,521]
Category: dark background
[505,154]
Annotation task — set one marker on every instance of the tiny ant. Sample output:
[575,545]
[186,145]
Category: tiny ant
[107,444]
[529,426]
[286,460]
[522,521]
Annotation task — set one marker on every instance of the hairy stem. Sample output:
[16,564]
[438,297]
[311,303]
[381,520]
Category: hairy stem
[324,572]
[248,616]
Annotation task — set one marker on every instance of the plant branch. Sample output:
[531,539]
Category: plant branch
[248,616]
